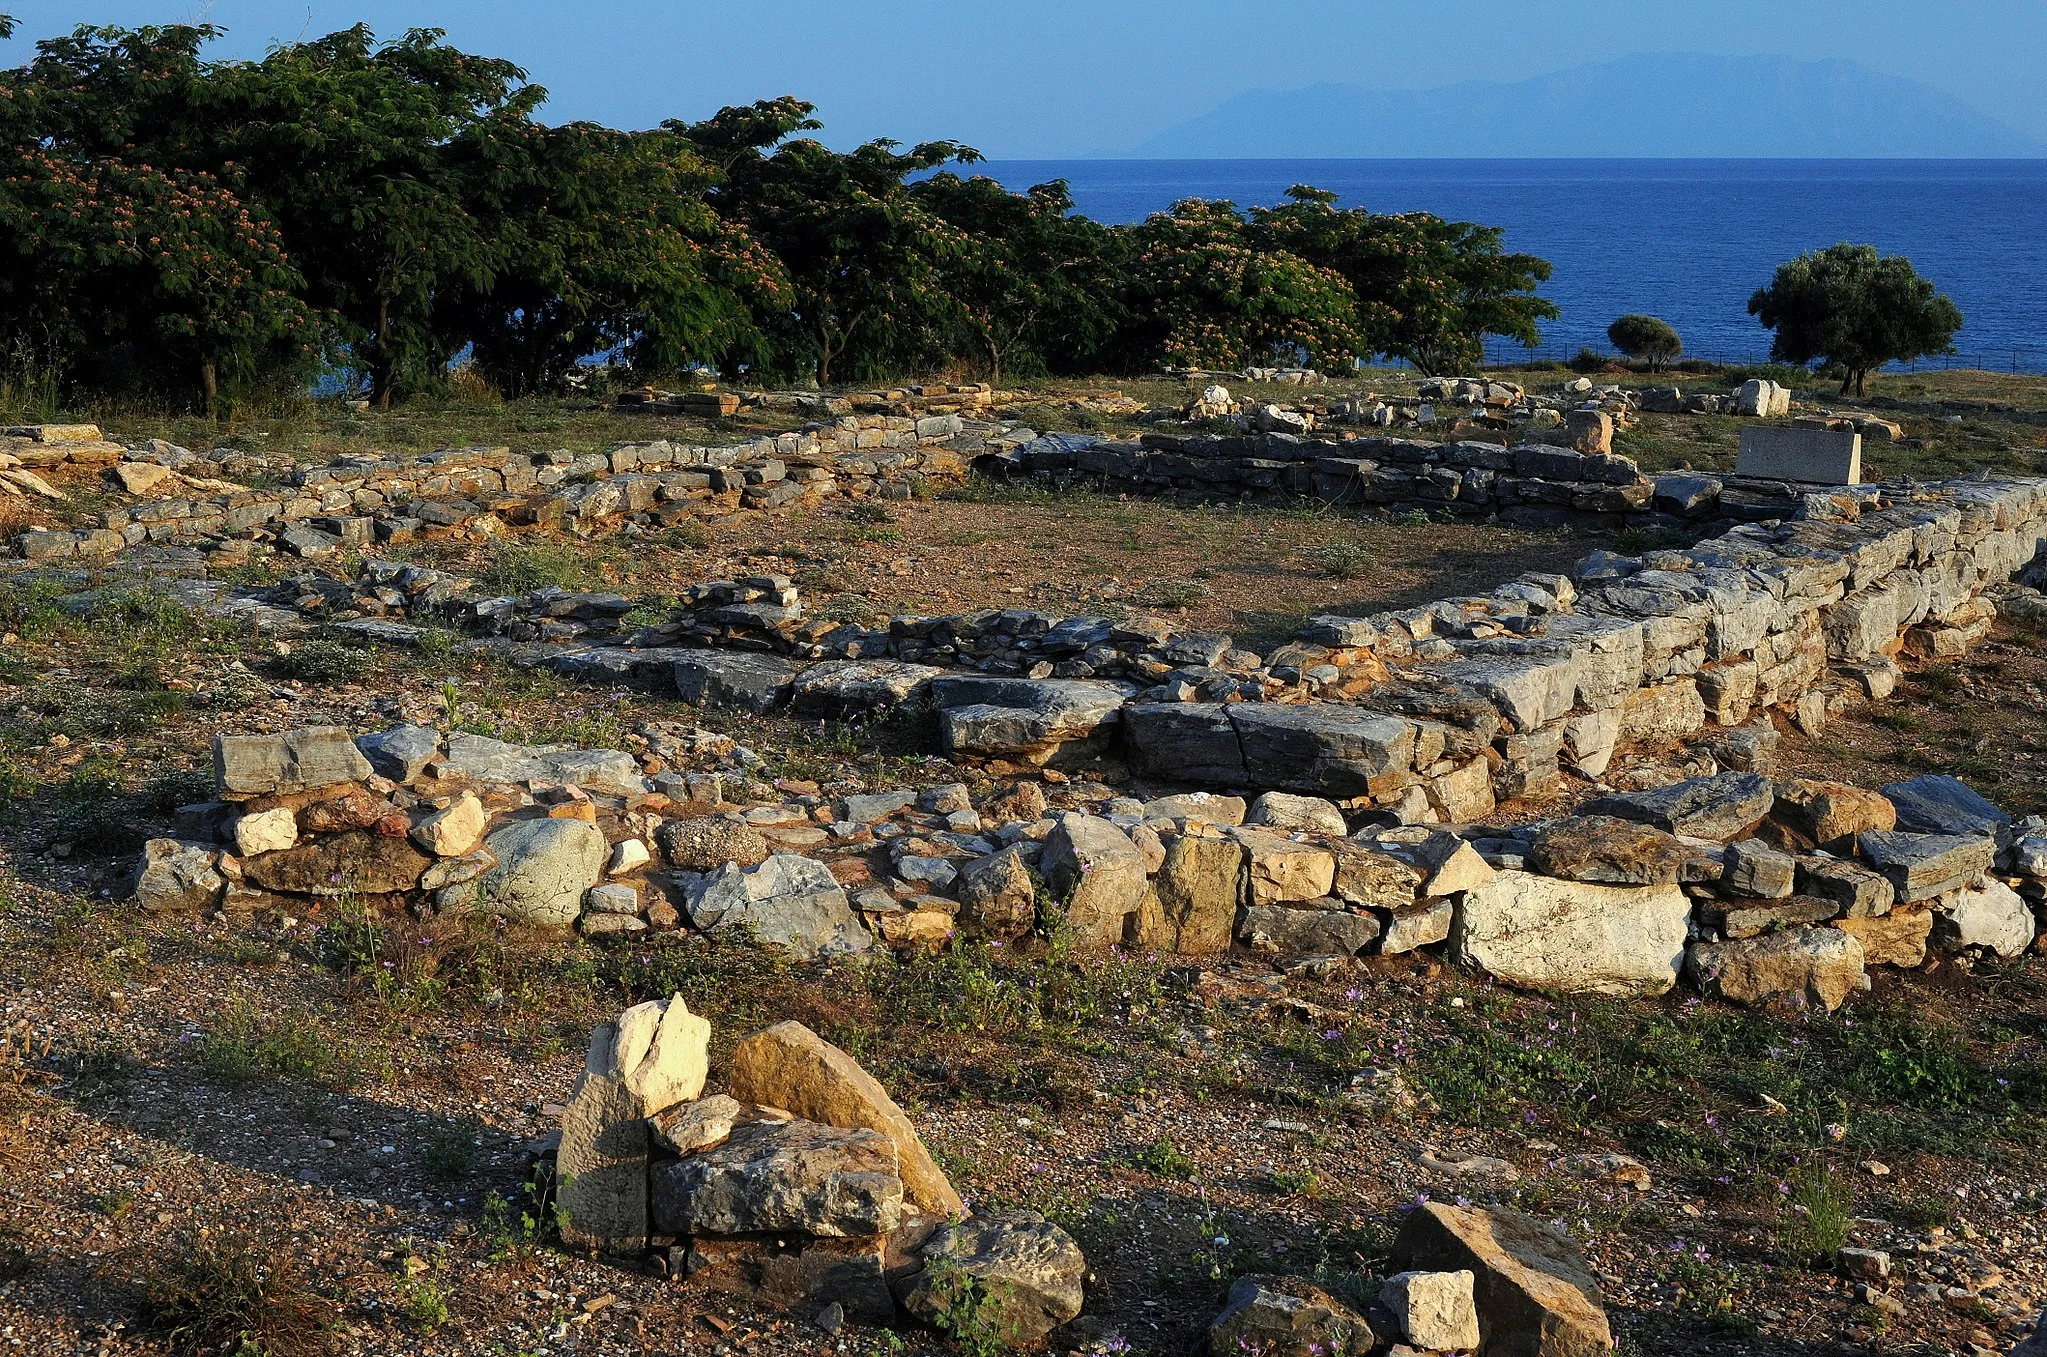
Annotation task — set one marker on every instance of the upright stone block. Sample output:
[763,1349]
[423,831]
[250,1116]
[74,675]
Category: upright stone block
[1809,456]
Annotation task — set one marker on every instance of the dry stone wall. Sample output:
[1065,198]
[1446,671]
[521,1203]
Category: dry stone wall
[1754,890]
[358,503]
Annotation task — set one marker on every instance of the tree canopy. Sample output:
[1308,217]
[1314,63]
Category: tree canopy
[377,210]
[1852,307]
[1426,290]
[1647,338]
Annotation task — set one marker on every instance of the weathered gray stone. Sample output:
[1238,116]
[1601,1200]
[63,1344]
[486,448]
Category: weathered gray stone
[1280,869]
[1861,893]
[1200,888]
[738,679]
[1307,932]
[1436,1311]
[1535,1295]
[1021,717]
[1609,851]
[1752,918]
[1921,866]
[652,1056]
[478,757]
[787,901]
[996,894]
[1207,808]
[877,806]
[454,830]
[1898,938]
[1811,456]
[1557,935]
[1417,925]
[1702,807]
[1282,810]
[791,1067]
[1939,804]
[402,752]
[266,831]
[1326,749]
[1830,814]
[175,877]
[793,1177]
[1027,1271]
[1374,877]
[848,687]
[1189,742]
[1286,1317]
[1817,966]
[1099,873]
[544,867]
[296,761]
[697,1124]
[1757,870]
[1986,914]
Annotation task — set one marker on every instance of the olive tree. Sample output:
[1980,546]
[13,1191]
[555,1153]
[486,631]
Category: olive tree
[1849,306]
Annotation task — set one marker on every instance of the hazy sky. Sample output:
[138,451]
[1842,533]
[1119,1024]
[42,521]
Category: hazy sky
[1026,78]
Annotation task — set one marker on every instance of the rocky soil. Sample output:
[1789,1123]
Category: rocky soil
[351,1112]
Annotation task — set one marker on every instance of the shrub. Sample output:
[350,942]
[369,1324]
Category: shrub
[1165,1159]
[235,1292]
[1179,595]
[1588,361]
[1339,560]
[522,567]
[323,659]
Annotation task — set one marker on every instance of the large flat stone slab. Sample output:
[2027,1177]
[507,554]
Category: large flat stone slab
[749,682]
[1810,456]
[1541,933]
[1718,808]
[1326,749]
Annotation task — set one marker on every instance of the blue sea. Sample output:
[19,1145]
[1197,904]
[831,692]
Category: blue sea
[1687,240]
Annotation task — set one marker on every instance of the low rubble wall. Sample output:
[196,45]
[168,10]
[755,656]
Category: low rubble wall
[1573,480]
[1434,713]
[1565,475]
[362,502]
[1752,889]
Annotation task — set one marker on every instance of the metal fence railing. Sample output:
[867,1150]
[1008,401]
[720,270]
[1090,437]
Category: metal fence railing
[2028,360]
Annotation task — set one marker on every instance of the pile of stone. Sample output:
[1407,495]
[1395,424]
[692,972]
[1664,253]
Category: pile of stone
[1755,892]
[45,447]
[1283,376]
[1473,1279]
[924,399]
[804,1181]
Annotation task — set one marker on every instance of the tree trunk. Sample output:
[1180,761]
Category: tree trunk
[209,383]
[994,363]
[380,371]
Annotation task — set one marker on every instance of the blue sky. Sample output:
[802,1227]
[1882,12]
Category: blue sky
[1029,78]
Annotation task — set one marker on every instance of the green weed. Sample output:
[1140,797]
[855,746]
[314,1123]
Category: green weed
[1165,1159]
[1339,560]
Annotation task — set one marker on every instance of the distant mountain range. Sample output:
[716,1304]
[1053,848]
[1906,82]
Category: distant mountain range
[1675,104]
